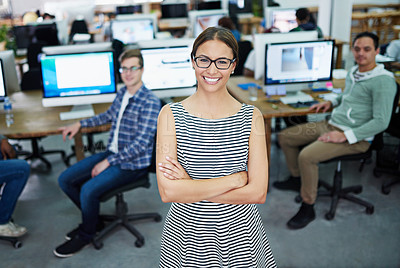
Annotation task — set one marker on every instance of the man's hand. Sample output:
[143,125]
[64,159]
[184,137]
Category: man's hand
[71,130]
[100,167]
[333,136]
[324,106]
[7,150]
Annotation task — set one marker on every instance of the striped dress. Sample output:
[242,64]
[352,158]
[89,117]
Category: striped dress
[207,234]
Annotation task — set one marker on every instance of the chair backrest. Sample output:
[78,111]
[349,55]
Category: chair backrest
[394,125]
[244,49]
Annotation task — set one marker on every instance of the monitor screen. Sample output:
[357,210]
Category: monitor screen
[299,62]
[201,20]
[283,19]
[2,82]
[174,10]
[10,71]
[268,38]
[132,30]
[78,78]
[129,9]
[168,68]
[46,33]
[207,5]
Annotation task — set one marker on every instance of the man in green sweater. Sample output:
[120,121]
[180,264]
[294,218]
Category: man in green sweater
[361,111]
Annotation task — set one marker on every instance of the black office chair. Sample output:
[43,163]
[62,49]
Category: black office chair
[121,216]
[79,27]
[336,191]
[394,131]
[244,49]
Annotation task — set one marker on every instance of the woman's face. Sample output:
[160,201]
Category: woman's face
[213,79]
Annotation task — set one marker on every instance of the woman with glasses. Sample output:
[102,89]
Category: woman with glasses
[213,168]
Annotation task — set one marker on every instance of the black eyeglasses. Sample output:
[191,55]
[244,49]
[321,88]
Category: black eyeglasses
[221,63]
[131,69]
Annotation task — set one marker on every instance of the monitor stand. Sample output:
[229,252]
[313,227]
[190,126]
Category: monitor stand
[294,89]
[78,111]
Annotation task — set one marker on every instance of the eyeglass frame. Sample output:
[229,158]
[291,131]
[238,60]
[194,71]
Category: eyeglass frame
[215,62]
[131,69]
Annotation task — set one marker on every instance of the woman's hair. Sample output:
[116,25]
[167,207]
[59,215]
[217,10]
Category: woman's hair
[130,54]
[226,22]
[217,33]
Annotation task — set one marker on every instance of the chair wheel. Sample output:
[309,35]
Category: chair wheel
[329,216]
[17,244]
[369,210]
[97,245]
[139,243]
[298,199]
[385,190]
[158,218]
[377,173]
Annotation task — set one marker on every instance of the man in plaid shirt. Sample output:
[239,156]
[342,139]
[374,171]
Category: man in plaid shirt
[133,117]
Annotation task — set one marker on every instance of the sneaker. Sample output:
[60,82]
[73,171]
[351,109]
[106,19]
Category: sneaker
[70,247]
[291,184]
[11,229]
[99,227]
[304,216]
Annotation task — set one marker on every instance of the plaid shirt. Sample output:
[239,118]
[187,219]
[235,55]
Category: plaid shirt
[137,128]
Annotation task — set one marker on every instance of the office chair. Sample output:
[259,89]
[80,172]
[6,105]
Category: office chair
[244,49]
[79,27]
[121,216]
[394,131]
[336,191]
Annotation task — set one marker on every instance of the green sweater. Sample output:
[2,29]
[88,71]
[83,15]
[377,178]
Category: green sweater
[365,107]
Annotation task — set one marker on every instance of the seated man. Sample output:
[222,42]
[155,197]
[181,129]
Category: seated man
[13,176]
[133,117]
[306,22]
[361,111]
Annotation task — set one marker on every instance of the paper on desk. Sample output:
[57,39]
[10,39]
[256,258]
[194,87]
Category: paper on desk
[299,97]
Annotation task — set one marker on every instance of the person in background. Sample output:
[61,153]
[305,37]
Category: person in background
[393,50]
[227,22]
[13,177]
[306,22]
[133,117]
[361,111]
[213,168]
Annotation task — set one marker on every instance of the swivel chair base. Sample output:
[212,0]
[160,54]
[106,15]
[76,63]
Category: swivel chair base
[121,217]
[13,240]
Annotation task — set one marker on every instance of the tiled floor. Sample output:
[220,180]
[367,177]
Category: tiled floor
[352,239]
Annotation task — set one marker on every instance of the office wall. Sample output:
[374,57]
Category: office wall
[21,6]
[314,3]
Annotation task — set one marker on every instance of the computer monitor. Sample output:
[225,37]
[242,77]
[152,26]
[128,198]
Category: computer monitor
[3,92]
[134,28]
[78,79]
[293,64]
[209,5]
[37,32]
[240,7]
[283,19]
[10,71]
[174,10]
[131,9]
[260,40]
[200,20]
[168,70]
[78,48]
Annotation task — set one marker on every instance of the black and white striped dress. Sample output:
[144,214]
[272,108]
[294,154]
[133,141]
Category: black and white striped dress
[207,234]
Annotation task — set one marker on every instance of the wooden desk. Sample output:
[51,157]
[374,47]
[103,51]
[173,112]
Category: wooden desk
[32,120]
[269,110]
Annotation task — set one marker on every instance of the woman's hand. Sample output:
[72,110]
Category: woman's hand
[172,170]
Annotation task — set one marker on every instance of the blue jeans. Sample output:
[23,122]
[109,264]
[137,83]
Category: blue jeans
[14,173]
[85,191]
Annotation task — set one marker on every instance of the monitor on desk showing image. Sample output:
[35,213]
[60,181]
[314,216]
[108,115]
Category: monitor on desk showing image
[200,20]
[131,30]
[283,19]
[77,48]
[293,65]
[131,9]
[260,40]
[3,92]
[78,79]
[10,71]
[168,71]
